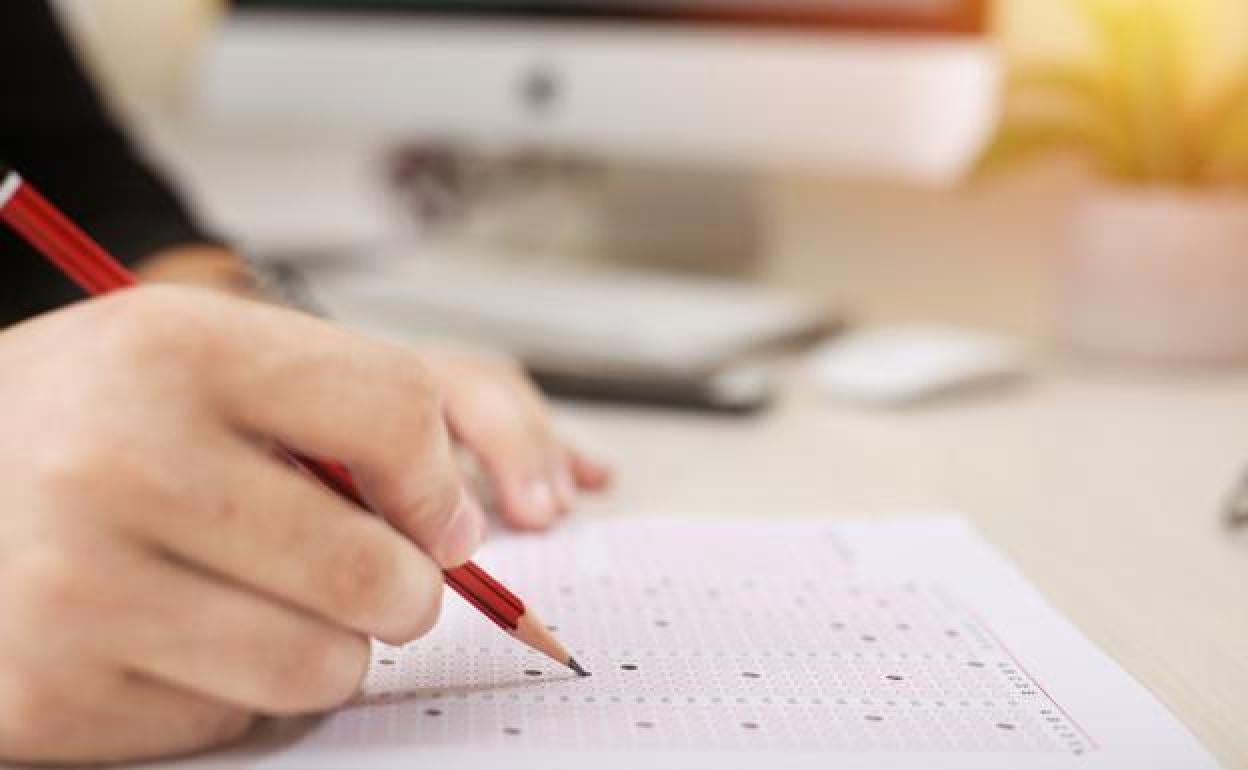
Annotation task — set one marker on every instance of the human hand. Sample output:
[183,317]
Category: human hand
[164,578]
[491,405]
[495,411]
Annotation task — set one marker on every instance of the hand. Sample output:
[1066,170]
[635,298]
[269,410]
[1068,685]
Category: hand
[163,577]
[494,410]
[491,406]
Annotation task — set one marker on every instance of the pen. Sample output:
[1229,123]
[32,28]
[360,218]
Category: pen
[85,262]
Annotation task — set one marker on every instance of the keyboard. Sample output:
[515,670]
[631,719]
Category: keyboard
[570,325]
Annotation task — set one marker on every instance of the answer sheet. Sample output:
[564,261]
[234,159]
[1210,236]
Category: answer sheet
[905,643]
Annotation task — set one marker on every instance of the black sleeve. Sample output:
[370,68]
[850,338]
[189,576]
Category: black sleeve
[55,132]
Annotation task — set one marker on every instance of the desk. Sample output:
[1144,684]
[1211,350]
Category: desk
[1101,489]
[1101,485]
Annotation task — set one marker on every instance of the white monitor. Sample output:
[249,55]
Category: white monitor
[878,88]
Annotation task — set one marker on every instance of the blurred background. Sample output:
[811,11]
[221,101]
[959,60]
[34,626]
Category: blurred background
[639,196]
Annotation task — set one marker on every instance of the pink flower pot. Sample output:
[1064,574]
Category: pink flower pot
[1160,275]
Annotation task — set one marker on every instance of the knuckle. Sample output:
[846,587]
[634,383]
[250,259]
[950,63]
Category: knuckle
[362,579]
[510,369]
[424,612]
[229,726]
[99,475]
[414,379]
[421,607]
[320,671]
[154,323]
[45,584]
[417,413]
[213,724]
[31,716]
[426,506]
[71,468]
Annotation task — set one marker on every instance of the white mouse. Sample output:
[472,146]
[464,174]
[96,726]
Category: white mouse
[898,365]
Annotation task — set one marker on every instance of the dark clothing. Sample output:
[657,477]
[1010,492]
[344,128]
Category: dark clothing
[54,131]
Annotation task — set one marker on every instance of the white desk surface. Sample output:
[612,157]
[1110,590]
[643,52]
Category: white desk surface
[1102,490]
[1103,486]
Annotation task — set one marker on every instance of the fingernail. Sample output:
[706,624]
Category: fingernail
[463,532]
[542,496]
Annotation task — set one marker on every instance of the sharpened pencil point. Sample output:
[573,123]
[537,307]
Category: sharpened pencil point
[572,664]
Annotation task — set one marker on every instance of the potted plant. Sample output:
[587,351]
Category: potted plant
[1158,259]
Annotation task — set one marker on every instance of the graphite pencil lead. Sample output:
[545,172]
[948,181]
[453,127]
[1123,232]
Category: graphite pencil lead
[572,664]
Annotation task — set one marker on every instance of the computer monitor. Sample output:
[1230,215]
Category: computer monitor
[948,16]
[877,88]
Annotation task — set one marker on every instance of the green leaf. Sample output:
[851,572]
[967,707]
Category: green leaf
[1079,95]
[1108,23]
[1077,84]
[1017,142]
[1131,107]
[1223,132]
[1138,52]
[1154,86]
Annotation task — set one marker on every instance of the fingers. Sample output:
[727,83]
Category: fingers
[528,488]
[435,512]
[219,642]
[263,525]
[589,474]
[327,392]
[164,721]
[73,714]
[536,481]
[496,412]
[206,655]
[509,439]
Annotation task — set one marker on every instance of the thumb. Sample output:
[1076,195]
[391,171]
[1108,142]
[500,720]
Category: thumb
[431,507]
[447,528]
[462,534]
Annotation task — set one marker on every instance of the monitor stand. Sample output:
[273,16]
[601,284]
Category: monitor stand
[683,218]
[551,205]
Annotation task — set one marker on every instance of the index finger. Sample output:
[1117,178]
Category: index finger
[325,391]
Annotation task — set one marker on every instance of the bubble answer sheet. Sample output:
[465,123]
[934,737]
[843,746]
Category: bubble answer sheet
[903,643]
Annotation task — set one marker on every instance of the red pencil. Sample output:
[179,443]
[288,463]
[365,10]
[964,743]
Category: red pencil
[87,264]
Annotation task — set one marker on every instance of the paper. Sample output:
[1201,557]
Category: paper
[802,644]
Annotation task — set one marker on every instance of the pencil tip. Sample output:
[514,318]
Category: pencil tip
[572,664]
